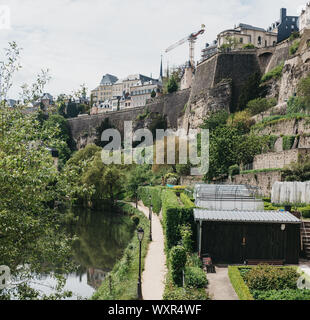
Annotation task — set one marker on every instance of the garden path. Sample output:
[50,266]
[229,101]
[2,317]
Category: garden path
[219,287]
[154,275]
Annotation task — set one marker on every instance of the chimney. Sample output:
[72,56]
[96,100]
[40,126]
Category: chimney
[282,14]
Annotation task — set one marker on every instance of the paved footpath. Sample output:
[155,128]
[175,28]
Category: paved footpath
[219,287]
[153,277]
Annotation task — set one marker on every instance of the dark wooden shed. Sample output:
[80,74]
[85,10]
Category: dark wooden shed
[234,237]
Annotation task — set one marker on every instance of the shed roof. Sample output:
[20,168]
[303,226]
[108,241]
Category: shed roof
[245,216]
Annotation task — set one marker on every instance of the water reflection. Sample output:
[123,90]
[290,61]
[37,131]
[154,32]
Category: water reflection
[102,238]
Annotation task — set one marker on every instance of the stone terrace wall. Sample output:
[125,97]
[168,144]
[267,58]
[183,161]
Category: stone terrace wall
[83,129]
[285,127]
[279,159]
[263,180]
[280,54]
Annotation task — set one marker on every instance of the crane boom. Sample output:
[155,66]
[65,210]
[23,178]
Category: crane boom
[179,43]
[191,39]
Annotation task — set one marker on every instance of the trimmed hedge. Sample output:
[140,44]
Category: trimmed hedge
[186,201]
[171,209]
[174,217]
[155,192]
[177,261]
[238,284]
[288,294]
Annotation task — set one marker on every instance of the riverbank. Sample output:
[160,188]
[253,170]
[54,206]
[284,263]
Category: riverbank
[121,283]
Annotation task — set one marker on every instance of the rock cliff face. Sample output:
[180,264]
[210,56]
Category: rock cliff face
[217,85]
[211,100]
[295,68]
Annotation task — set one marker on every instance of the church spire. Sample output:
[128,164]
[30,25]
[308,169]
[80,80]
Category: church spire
[161,70]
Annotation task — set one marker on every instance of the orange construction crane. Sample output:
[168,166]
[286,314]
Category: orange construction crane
[191,39]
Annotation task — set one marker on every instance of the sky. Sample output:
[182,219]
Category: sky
[81,40]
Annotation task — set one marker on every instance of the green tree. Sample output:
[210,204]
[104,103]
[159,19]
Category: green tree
[72,110]
[215,120]
[138,176]
[30,228]
[172,85]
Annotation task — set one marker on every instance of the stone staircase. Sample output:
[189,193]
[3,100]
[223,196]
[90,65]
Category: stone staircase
[305,233]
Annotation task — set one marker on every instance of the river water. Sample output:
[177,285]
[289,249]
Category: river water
[102,238]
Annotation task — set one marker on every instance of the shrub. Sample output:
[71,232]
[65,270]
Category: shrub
[295,105]
[275,73]
[171,178]
[195,277]
[259,105]
[238,284]
[248,46]
[303,90]
[265,277]
[288,142]
[305,212]
[288,294]
[185,294]
[294,35]
[297,172]
[241,121]
[294,47]
[233,170]
[177,261]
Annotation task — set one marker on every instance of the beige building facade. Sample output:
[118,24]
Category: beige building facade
[246,34]
[304,19]
[142,92]
[105,90]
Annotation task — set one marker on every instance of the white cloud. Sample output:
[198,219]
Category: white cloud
[80,40]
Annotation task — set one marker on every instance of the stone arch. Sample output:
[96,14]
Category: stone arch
[264,59]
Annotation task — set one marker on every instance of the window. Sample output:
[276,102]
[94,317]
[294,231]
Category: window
[241,40]
[259,40]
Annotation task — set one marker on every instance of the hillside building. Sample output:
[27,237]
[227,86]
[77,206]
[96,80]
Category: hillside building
[133,91]
[142,92]
[285,26]
[209,51]
[304,19]
[104,91]
[245,34]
